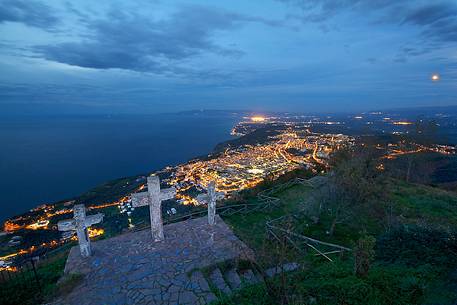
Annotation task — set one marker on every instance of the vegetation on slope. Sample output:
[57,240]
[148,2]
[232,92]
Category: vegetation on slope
[22,288]
[414,251]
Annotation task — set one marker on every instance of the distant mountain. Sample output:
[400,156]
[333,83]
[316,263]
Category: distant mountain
[429,110]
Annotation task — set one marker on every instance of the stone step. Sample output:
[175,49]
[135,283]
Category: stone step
[259,277]
[233,279]
[218,281]
[199,286]
[248,277]
[284,268]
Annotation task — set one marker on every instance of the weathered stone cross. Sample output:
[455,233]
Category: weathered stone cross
[154,197]
[210,199]
[80,223]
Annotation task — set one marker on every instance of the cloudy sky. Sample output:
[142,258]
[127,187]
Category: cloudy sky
[145,56]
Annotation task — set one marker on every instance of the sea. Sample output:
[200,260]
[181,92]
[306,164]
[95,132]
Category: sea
[51,158]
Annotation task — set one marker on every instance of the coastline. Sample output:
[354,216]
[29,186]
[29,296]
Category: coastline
[70,158]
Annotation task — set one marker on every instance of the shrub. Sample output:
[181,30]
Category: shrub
[418,246]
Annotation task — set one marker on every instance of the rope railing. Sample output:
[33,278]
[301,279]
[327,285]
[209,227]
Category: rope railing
[225,210]
[266,202]
[276,227]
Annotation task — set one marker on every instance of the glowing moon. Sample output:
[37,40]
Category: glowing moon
[435,77]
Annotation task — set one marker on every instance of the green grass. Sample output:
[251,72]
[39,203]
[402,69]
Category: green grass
[22,289]
[251,295]
[394,282]
[419,203]
[427,250]
[251,227]
[412,204]
[67,284]
[345,233]
[329,284]
[335,283]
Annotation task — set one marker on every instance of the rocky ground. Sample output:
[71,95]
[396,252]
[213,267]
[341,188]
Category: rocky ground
[132,269]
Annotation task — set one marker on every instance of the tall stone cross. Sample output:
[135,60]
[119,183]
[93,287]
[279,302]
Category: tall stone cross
[80,223]
[210,199]
[154,197]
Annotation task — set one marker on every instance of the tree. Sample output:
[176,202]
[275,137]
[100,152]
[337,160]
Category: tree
[354,183]
[363,255]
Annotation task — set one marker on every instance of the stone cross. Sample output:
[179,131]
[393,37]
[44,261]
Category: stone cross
[210,198]
[80,223]
[154,197]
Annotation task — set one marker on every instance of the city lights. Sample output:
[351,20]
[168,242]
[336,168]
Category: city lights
[258,119]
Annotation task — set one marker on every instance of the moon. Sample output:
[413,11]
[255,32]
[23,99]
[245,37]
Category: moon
[435,77]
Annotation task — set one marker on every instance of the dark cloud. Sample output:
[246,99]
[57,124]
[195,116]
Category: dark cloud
[29,12]
[11,91]
[134,42]
[437,19]
[444,30]
[410,51]
[400,59]
[321,10]
[431,13]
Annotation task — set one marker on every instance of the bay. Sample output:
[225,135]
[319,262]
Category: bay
[46,159]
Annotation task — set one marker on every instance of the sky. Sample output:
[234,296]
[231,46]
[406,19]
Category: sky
[146,56]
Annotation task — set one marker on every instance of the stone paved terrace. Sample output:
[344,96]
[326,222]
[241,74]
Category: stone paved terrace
[132,269]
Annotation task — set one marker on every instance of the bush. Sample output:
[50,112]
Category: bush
[335,283]
[418,246]
[22,288]
[326,283]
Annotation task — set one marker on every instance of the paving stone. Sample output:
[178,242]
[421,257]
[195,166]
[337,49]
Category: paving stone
[233,278]
[285,268]
[138,275]
[201,288]
[199,283]
[248,277]
[132,269]
[187,297]
[207,298]
[218,280]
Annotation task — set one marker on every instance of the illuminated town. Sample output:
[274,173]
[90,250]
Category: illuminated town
[246,166]
[288,143]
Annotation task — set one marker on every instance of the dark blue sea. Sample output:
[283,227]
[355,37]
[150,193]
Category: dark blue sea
[46,159]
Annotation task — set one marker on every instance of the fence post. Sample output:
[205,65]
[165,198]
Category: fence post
[35,273]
